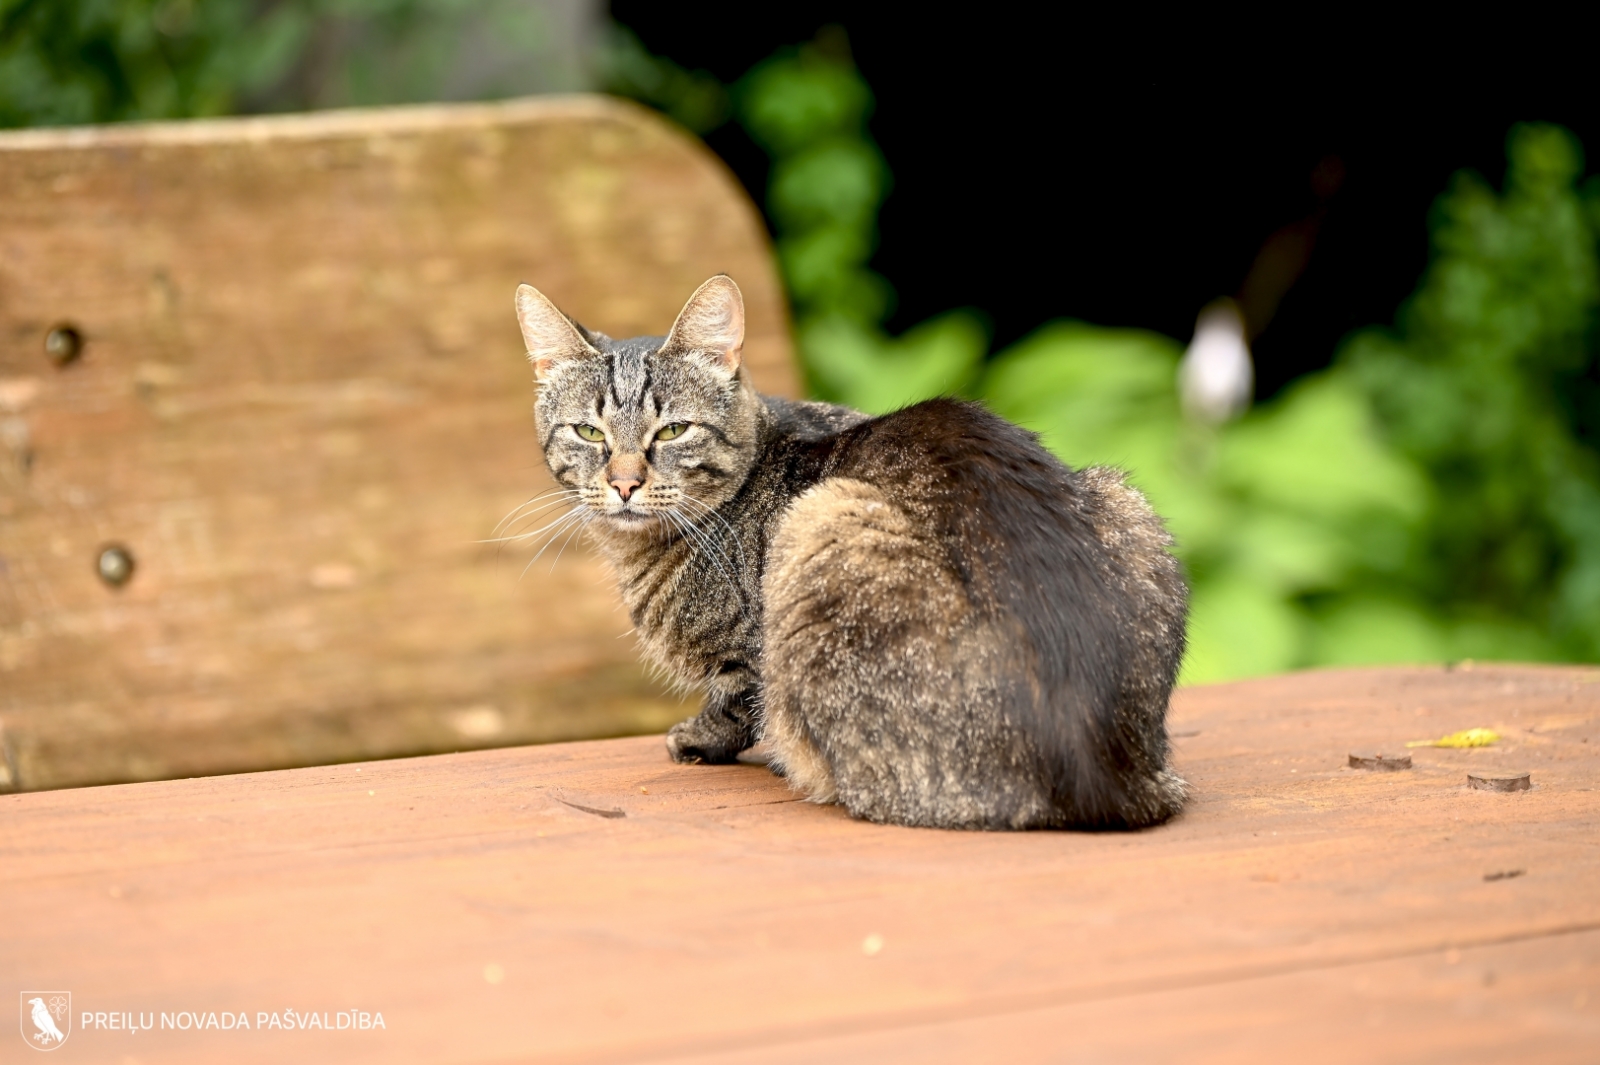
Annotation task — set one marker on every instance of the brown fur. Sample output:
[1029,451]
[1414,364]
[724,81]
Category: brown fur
[929,618]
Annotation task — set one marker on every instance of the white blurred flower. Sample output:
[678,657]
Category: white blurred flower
[1215,378]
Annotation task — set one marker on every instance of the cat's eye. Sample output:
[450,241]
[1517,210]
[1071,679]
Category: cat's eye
[589,432]
[673,431]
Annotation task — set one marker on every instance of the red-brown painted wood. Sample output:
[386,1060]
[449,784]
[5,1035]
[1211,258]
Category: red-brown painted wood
[1300,909]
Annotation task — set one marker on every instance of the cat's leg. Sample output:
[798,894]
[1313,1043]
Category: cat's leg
[727,724]
[792,750]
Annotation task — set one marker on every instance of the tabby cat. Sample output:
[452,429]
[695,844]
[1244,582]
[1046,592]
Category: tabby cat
[927,617]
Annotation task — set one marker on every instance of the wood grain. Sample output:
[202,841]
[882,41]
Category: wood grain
[1299,909]
[301,405]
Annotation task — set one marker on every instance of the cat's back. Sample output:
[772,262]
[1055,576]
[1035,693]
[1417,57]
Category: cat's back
[951,591]
[810,420]
[1001,503]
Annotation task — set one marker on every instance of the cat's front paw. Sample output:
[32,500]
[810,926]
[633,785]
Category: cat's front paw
[690,743]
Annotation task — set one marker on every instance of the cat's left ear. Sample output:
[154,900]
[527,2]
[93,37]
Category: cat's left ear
[711,326]
[550,336]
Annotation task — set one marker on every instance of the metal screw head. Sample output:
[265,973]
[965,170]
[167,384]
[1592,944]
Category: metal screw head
[63,344]
[115,565]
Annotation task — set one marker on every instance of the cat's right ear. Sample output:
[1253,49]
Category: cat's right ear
[550,336]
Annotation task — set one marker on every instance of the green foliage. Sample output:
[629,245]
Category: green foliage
[694,99]
[109,60]
[938,357]
[1435,495]
[808,107]
[1488,383]
[73,61]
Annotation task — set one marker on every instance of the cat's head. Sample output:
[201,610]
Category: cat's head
[648,429]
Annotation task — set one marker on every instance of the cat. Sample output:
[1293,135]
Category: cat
[926,616]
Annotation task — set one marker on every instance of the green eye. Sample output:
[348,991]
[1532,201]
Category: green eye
[673,431]
[589,432]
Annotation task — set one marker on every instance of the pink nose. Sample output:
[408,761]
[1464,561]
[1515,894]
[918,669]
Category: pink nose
[625,486]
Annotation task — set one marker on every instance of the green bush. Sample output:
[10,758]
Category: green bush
[1434,495]
[63,63]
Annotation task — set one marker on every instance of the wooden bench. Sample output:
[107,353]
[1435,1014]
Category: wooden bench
[298,399]
[592,902]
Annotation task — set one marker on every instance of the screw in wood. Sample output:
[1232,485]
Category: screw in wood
[1499,781]
[1384,763]
[115,565]
[63,344]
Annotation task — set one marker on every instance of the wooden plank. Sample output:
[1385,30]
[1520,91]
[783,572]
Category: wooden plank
[1531,1000]
[489,907]
[302,403]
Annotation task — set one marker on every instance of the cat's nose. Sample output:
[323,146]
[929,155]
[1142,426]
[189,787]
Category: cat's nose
[625,472]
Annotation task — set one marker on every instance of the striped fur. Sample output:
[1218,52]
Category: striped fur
[927,616]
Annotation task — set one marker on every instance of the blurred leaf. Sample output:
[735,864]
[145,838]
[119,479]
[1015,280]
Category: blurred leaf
[695,99]
[798,98]
[111,60]
[1472,737]
[1483,386]
[864,369]
[1316,450]
[819,260]
[1238,628]
[837,182]
[1376,629]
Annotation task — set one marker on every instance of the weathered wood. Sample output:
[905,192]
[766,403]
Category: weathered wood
[301,404]
[1499,780]
[1299,910]
[1377,760]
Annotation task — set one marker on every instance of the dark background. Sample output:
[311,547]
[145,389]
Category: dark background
[1046,166]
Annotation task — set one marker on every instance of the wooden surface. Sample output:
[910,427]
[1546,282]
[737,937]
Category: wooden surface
[302,404]
[592,902]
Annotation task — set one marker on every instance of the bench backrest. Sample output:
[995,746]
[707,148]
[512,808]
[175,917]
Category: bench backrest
[297,398]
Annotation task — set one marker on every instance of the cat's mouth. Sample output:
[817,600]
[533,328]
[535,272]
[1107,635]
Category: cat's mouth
[628,516]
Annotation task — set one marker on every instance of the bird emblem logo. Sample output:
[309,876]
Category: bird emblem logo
[46,1018]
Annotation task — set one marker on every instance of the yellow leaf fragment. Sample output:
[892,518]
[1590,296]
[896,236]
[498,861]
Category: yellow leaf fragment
[1472,737]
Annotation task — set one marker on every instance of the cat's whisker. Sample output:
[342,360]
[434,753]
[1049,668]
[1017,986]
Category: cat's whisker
[576,518]
[518,514]
[501,541]
[707,509]
[536,533]
[710,543]
[516,537]
[576,528]
[558,490]
[551,529]
[541,515]
[698,536]
[539,503]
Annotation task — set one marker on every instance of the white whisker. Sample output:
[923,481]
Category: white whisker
[518,513]
[575,518]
